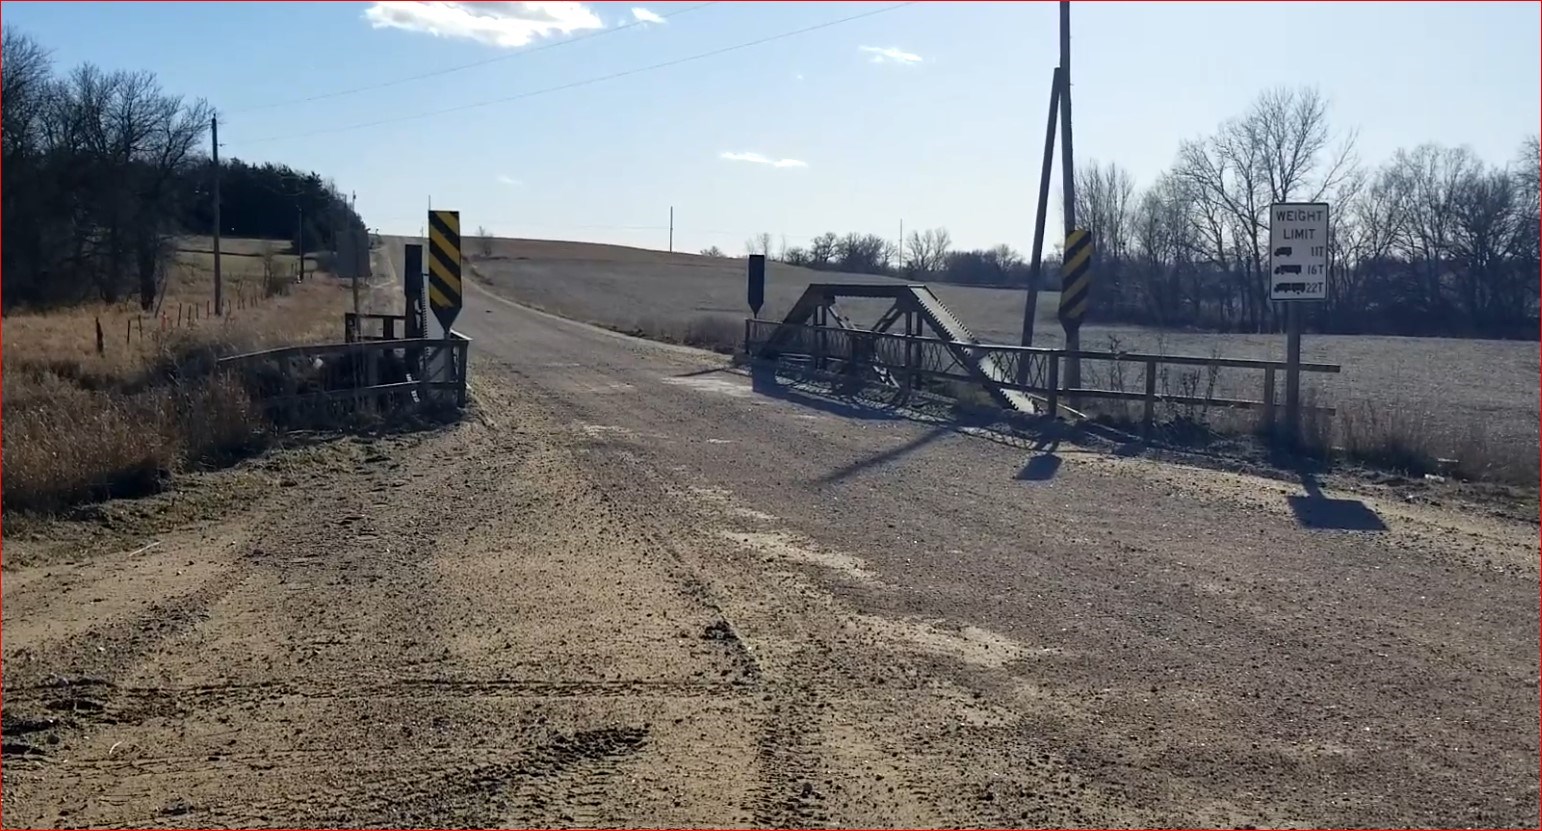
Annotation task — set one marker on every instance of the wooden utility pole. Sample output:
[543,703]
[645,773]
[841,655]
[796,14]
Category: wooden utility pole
[299,238]
[1073,340]
[219,288]
[671,229]
[1036,263]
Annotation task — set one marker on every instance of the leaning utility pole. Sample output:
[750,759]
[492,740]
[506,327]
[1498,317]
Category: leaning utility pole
[219,288]
[1073,340]
[1036,263]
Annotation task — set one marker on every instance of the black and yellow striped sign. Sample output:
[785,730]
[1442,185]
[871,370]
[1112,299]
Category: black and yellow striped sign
[1075,276]
[444,290]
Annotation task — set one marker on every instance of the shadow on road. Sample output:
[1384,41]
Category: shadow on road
[883,458]
[1040,468]
[764,381]
[1316,511]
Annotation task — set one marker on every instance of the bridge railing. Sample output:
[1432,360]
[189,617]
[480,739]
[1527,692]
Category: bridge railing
[387,372]
[1121,378]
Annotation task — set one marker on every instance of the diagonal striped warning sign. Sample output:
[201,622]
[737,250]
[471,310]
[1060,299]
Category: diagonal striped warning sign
[444,289]
[1075,276]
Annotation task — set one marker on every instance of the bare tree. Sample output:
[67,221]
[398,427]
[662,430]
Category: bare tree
[821,251]
[928,250]
[759,244]
[484,241]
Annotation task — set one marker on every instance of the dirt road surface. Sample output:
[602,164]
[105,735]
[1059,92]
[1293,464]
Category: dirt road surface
[634,590]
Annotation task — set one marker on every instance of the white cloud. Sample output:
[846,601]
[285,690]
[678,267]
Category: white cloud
[506,179]
[498,24]
[890,54]
[757,158]
[645,16]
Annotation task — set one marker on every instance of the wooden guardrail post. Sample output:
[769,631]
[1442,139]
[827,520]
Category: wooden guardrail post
[462,353]
[1054,384]
[1269,399]
[1150,414]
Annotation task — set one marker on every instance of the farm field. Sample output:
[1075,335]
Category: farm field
[1465,393]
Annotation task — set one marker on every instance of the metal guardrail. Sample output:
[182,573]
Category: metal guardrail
[378,368]
[1033,370]
[355,324]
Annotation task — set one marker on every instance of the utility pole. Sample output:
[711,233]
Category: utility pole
[1036,264]
[219,288]
[1073,339]
[901,250]
[671,229]
[299,238]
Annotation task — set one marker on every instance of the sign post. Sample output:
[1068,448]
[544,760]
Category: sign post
[444,284]
[1298,271]
[757,289]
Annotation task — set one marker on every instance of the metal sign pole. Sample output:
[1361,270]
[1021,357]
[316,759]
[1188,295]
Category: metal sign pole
[1298,272]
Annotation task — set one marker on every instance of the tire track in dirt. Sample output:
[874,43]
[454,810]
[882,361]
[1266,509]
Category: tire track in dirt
[829,703]
[803,688]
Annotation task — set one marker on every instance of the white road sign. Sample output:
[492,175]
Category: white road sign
[1298,251]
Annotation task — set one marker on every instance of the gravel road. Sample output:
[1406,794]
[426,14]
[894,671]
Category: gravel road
[634,589]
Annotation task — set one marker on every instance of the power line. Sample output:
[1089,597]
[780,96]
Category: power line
[587,81]
[448,70]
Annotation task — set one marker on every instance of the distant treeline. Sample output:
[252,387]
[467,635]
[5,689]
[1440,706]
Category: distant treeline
[1433,242]
[103,170]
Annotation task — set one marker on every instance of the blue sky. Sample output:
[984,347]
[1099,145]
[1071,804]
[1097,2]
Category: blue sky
[938,123]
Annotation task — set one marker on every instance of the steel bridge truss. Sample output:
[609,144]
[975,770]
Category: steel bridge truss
[816,328]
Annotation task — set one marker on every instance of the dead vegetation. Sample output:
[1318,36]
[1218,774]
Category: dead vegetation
[90,418]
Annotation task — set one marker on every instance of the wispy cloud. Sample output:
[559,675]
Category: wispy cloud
[499,24]
[890,54]
[645,16]
[506,179]
[758,158]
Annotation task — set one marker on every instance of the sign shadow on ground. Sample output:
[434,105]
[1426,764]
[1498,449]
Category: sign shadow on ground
[1041,467]
[1318,512]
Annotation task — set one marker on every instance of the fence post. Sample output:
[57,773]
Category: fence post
[421,368]
[1269,399]
[1054,384]
[128,331]
[912,356]
[819,340]
[463,356]
[1150,415]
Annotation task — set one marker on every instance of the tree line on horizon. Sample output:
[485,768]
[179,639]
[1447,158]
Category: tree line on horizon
[1434,241]
[103,170]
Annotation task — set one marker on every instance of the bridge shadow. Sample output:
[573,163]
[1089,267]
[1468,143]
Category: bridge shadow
[1038,435]
[1317,511]
[764,380]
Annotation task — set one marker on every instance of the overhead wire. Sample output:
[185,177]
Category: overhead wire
[587,81]
[461,67]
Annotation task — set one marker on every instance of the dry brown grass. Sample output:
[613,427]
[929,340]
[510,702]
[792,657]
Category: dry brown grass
[81,424]
[718,333]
